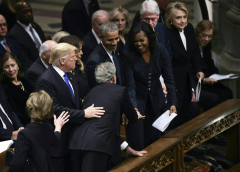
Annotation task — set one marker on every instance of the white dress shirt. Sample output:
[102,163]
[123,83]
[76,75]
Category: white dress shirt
[4,125]
[109,53]
[27,29]
[183,37]
[95,35]
[46,66]
[3,43]
[61,73]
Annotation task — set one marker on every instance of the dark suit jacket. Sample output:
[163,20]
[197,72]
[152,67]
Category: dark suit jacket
[100,134]
[90,43]
[51,82]
[143,81]
[75,19]
[18,98]
[99,55]
[27,48]
[34,142]
[4,133]
[8,14]
[36,69]
[181,59]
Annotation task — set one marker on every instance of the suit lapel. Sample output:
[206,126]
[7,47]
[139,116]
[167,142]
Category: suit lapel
[75,88]
[62,83]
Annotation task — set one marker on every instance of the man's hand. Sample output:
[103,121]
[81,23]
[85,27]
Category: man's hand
[140,116]
[200,74]
[124,120]
[193,97]
[93,112]
[15,134]
[164,90]
[132,152]
[173,109]
[209,81]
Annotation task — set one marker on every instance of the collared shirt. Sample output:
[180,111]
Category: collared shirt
[27,29]
[3,43]
[86,3]
[201,50]
[61,73]
[183,37]
[4,125]
[95,35]
[46,66]
[109,53]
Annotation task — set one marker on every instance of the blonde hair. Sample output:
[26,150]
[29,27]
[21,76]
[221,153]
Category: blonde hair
[170,11]
[39,106]
[118,10]
[59,35]
[59,51]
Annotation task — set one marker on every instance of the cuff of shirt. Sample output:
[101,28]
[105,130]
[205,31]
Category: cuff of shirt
[192,90]
[124,145]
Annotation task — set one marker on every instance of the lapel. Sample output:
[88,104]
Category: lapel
[75,87]
[62,83]
[93,40]
[104,54]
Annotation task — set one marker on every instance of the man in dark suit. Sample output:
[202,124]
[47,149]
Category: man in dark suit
[91,39]
[27,33]
[76,16]
[7,44]
[96,138]
[42,63]
[10,125]
[106,51]
[61,85]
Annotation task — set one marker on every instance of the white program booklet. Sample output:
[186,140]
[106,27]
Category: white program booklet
[164,120]
[223,77]
[5,145]
[198,90]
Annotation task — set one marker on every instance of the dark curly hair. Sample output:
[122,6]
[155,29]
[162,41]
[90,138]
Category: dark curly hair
[149,32]
[5,57]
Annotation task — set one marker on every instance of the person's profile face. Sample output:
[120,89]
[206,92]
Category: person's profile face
[110,40]
[205,37]
[70,62]
[120,21]
[25,13]
[179,20]
[141,42]
[150,18]
[98,22]
[3,27]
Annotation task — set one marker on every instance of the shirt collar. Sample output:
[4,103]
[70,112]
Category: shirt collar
[3,41]
[46,66]
[23,25]
[95,35]
[108,51]
[58,70]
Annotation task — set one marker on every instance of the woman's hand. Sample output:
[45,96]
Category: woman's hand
[124,120]
[209,81]
[140,116]
[173,109]
[193,97]
[60,121]
[200,74]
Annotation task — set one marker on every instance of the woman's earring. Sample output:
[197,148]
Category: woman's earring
[18,68]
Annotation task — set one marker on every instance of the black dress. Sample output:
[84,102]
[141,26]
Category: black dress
[17,98]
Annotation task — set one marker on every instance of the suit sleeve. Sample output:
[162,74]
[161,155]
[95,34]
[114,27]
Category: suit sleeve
[76,116]
[56,139]
[90,70]
[167,43]
[5,134]
[21,149]
[32,77]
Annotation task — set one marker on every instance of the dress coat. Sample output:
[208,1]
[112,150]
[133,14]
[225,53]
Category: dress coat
[90,43]
[75,19]
[35,70]
[51,82]
[4,133]
[99,55]
[181,60]
[143,84]
[17,98]
[34,142]
[27,48]
[101,134]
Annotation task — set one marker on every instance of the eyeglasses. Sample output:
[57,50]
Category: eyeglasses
[205,36]
[149,19]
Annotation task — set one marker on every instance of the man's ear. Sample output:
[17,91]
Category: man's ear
[62,61]
[114,79]
[100,37]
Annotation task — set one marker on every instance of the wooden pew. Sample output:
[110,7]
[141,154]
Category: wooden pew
[3,167]
[225,116]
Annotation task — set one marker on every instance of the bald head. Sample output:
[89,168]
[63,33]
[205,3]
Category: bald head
[45,51]
[24,12]
[3,27]
[98,18]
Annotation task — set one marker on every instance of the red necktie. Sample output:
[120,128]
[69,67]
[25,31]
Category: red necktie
[7,47]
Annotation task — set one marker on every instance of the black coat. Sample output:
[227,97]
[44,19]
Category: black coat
[101,134]
[4,133]
[18,98]
[181,60]
[90,43]
[27,48]
[34,142]
[51,82]
[36,69]
[75,19]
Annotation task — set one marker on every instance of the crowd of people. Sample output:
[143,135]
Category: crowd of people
[101,70]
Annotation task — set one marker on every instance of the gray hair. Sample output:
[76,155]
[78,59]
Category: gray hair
[104,72]
[149,6]
[45,47]
[98,14]
[108,26]
[59,35]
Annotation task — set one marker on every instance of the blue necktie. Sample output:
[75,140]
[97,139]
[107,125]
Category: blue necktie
[117,68]
[70,88]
